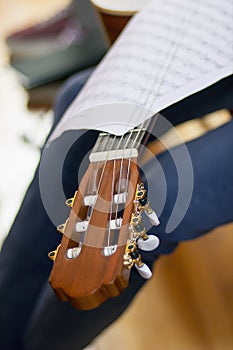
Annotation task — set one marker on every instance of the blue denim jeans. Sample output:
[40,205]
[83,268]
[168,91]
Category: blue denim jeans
[32,317]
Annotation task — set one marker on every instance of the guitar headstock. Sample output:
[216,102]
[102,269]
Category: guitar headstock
[89,267]
[104,231]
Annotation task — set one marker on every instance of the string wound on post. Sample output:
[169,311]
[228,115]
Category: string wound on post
[139,238]
[133,258]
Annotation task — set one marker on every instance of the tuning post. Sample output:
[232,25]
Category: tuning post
[136,225]
[151,214]
[140,239]
[141,195]
[142,204]
[72,253]
[61,227]
[133,258]
[53,254]
[70,201]
[132,255]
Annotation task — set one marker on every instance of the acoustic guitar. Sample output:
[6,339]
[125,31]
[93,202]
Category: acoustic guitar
[116,14]
[104,236]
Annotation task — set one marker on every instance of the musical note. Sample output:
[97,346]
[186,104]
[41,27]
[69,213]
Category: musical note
[168,51]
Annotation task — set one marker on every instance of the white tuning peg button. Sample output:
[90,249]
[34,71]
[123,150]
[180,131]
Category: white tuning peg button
[144,271]
[72,253]
[152,217]
[148,244]
[109,250]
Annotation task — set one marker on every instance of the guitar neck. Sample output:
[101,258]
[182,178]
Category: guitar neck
[109,147]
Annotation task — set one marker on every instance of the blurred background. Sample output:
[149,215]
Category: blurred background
[187,304]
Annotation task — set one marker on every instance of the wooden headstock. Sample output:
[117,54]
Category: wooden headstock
[94,271]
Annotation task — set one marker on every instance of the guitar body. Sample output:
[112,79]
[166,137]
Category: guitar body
[114,24]
[117,13]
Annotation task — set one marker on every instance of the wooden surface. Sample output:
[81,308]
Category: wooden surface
[91,278]
[187,305]
[114,25]
[120,7]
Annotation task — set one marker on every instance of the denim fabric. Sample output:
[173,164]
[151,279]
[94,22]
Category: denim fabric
[32,317]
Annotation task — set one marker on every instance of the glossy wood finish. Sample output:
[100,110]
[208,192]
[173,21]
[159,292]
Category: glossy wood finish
[114,22]
[188,302]
[114,25]
[91,278]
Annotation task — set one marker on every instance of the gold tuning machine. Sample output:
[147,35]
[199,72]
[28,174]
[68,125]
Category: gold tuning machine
[61,227]
[141,204]
[139,238]
[132,255]
[53,254]
[141,196]
[70,201]
[133,258]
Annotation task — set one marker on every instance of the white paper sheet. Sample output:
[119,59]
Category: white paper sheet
[170,50]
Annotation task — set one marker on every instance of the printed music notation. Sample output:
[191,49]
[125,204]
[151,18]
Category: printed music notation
[170,50]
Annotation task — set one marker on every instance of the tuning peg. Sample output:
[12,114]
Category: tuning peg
[61,227]
[53,254]
[132,255]
[73,252]
[136,225]
[142,204]
[144,270]
[151,215]
[109,250]
[148,243]
[70,201]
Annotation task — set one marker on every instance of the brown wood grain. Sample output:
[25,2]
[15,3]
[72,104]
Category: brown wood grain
[114,25]
[89,279]
[165,314]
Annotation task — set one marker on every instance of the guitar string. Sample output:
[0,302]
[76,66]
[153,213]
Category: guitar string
[112,190]
[101,178]
[144,126]
[120,179]
[174,47]
[121,167]
[112,193]
[99,146]
[124,148]
[184,22]
[113,181]
[112,201]
[132,131]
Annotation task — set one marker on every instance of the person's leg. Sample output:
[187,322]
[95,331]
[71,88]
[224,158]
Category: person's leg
[24,265]
[215,97]
[57,325]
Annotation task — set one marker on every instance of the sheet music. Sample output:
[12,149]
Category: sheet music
[170,50]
